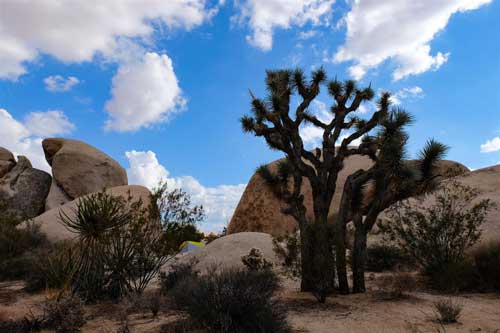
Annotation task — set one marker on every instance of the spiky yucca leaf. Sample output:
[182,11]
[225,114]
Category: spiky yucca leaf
[432,152]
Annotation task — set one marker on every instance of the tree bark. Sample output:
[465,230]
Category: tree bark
[359,260]
[340,251]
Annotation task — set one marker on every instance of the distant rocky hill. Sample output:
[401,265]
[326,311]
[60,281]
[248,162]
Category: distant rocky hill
[260,211]
[78,169]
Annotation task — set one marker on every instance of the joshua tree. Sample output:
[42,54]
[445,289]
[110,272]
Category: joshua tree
[368,192]
[273,120]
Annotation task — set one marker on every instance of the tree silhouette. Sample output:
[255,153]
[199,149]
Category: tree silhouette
[272,119]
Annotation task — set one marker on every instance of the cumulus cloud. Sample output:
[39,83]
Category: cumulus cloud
[57,83]
[49,123]
[264,16]
[219,202]
[401,31]
[26,138]
[491,145]
[144,93]
[89,27]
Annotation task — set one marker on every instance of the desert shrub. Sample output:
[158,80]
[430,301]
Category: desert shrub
[177,272]
[456,277]
[120,246]
[438,234]
[255,261]
[396,285]
[17,245]
[64,314]
[386,257]
[232,301]
[53,267]
[447,311]
[487,261]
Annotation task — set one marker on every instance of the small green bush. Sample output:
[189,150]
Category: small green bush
[232,301]
[439,234]
[385,258]
[487,260]
[255,260]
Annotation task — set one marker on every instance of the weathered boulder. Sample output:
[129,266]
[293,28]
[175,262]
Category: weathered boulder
[226,252]
[79,169]
[24,189]
[50,222]
[260,211]
[56,197]
[7,161]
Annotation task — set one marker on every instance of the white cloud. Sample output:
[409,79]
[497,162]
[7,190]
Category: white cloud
[145,169]
[307,34]
[264,16]
[380,30]
[491,145]
[24,139]
[57,83]
[219,202]
[49,123]
[144,92]
[75,31]
[406,93]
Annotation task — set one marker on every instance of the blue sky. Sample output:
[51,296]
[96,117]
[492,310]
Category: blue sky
[160,85]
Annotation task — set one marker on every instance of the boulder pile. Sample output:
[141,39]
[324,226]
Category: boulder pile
[78,170]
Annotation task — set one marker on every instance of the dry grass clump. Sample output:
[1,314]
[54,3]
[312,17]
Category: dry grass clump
[447,311]
[396,285]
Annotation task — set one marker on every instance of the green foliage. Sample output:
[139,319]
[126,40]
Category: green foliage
[386,257]
[17,245]
[120,247]
[177,216]
[448,311]
[438,234]
[487,260]
[54,267]
[177,272]
[255,260]
[232,301]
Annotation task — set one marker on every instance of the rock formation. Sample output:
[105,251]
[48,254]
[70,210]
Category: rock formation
[22,188]
[7,161]
[79,169]
[51,225]
[260,211]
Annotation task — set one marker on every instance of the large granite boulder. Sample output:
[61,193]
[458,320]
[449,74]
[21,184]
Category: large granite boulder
[79,169]
[260,211]
[7,161]
[24,189]
[49,221]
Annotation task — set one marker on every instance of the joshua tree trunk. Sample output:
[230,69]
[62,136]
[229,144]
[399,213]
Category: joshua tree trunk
[359,260]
